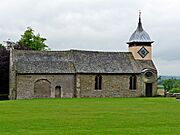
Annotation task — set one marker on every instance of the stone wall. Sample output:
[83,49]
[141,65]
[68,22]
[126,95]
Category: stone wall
[71,73]
[12,78]
[26,83]
[112,86]
[152,80]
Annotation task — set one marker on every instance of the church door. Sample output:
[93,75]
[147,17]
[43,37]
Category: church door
[148,89]
[58,92]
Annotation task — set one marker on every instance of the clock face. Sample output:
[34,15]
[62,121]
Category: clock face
[143,52]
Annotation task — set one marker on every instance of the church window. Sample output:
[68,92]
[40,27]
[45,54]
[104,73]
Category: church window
[143,52]
[98,82]
[132,82]
[148,74]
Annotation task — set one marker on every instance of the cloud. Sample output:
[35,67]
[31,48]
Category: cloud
[168,67]
[96,24]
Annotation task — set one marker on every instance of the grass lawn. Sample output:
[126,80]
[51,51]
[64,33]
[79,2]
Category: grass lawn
[93,116]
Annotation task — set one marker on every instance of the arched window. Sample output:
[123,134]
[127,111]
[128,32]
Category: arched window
[98,82]
[132,82]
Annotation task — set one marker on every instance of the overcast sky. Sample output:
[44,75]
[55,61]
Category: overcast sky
[104,25]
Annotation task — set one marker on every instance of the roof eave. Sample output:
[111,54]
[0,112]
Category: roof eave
[129,42]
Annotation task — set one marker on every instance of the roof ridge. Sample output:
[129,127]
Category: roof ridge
[96,51]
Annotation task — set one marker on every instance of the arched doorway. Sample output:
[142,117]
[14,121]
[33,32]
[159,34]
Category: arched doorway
[58,92]
[42,89]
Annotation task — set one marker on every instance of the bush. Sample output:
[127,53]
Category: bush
[175,90]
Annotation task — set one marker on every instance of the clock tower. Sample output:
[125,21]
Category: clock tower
[140,43]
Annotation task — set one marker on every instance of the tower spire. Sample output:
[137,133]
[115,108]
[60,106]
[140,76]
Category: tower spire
[140,28]
[139,15]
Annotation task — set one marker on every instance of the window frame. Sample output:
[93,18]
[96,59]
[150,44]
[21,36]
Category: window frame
[98,82]
[133,82]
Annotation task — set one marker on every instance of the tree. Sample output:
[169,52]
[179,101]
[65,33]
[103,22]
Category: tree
[4,70]
[32,41]
[28,41]
[1,46]
[169,84]
[177,84]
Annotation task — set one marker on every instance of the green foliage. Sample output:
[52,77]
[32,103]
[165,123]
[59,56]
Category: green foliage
[32,41]
[1,46]
[174,90]
[177,84]
[4,71]
[98,116]
[169,84]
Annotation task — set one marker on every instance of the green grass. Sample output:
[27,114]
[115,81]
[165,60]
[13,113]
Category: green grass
[110,116]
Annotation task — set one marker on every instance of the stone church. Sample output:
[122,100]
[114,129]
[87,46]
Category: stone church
[80,74]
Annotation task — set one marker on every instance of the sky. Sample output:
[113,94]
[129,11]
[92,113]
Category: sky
[103,25]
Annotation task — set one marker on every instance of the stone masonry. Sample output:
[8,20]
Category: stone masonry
[72,74]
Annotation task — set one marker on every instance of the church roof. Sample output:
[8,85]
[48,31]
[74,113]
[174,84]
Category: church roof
[26,61]
[140,35]
[77,61]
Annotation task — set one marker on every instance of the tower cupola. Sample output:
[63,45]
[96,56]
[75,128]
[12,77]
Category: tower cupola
[140,43]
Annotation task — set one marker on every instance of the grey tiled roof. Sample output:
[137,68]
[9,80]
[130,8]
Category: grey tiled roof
[45,67]
[108,62]
[140,35]
[145,64]
[104,62]
[76,61]
[43,62]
